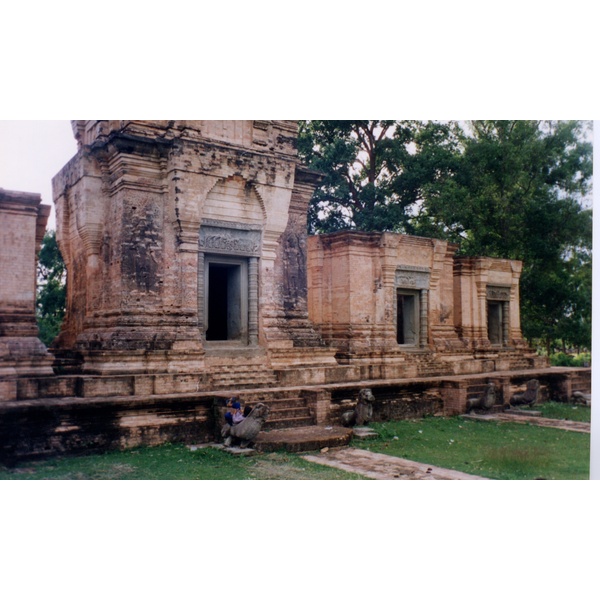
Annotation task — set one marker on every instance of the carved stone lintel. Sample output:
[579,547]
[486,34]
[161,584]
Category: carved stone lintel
[412,278]
[235,242]
[501,294]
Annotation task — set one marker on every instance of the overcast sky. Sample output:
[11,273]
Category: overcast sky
[32,153]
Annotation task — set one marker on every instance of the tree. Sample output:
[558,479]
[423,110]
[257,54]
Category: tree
[51,296]
[373,171]
[517,193]
[516,182]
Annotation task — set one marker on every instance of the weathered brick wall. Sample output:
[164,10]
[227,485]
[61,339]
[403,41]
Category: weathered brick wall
[34,429]
[130,209]
[392,402]
[23,220]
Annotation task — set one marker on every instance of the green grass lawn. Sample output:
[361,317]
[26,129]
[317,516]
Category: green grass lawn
[175,462]
[561,410]
[489,449]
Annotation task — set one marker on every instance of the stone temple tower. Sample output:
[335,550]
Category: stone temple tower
[185,246]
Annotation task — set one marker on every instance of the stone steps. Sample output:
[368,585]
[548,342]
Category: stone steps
[303,439]
[285,403]
[288,413]
[288,423]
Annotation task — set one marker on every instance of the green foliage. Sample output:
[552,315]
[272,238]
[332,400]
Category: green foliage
[520,185]
[489,449]
[372,170]
[52,291]
[562,359]
[564,411]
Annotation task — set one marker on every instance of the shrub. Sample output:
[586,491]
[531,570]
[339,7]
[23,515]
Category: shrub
[560,359]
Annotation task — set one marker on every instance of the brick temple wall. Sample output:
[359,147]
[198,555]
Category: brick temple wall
[23,220]
[143,207]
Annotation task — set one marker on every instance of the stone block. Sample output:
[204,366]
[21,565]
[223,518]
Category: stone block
[91,387]
[8,388]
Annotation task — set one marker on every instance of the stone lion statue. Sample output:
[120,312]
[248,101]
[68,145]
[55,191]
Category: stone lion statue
[244,433]
[363,412]
[582,398]
[485,402]
[529,397]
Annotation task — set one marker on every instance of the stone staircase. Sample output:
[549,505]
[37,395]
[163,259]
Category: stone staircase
[288,413]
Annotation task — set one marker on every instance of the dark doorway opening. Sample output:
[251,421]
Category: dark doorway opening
[224,302]
[407,330]
[495,323]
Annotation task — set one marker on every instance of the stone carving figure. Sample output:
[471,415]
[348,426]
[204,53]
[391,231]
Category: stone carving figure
[485,402]
[245,432]
[363,412]
[529,397]
[582,398]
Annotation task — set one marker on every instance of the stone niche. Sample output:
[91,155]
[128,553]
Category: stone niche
[22,354]
[177,237]
[382,293]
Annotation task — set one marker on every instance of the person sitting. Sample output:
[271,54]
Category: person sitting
[236,415]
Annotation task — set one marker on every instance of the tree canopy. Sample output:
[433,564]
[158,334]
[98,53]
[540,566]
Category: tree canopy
[51,296]
[372,170]
[506,189]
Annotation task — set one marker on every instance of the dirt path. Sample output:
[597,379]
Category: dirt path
[382,466]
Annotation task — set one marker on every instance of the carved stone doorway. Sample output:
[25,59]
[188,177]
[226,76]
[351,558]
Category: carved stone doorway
[229,300]
[226,304]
